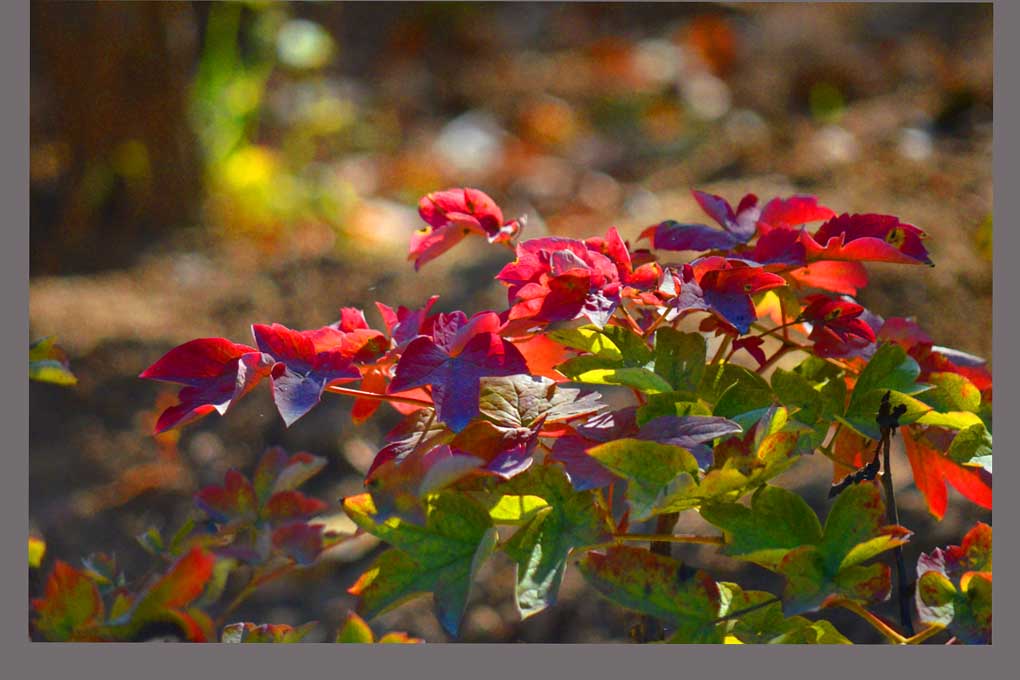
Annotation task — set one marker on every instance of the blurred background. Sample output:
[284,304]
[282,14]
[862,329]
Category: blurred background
[197,167]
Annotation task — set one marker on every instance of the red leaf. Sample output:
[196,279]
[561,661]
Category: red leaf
[71,602]
[792,212]
[234,501]
[869,237]
[292,505]
[839,277]
[836,326]
[184,582]
[932,469]
[195,362]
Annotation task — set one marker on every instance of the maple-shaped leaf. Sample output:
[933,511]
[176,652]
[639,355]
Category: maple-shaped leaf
[452,215]
[777,522]
[658,586]
[867,238]
[927,450]
[766,623]
[653,471]
[735,393]
[836,326]
[723,286]
[559,279]
[454,371]
[644,277]
[740,465]
[356,631]
[70,607]
[441,557]
[781,533]
[954,587]
[215,372]
[300,373]
[680,358]
[281,633]
[47,362]
[888,370]
[792,212]
[815,393]
[620,357]
[567,520]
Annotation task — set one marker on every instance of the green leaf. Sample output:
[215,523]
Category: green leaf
[954,420]
[653,471]
[540,548]
[599,371]
[863,409]
[889,369]
[952,392]
[671,404]
[972,446]
[777,522]
[355,631]
[814,403]
[719,378]
[589,339]
[680,358]
[768,624]
[659,586]
[441,557]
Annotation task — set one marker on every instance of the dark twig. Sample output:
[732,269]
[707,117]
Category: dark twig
[888,420]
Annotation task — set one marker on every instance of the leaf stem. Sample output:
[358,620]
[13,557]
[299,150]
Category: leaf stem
[878,624]
[350,392]
[723,346]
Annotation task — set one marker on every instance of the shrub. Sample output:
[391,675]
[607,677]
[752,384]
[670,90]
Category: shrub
[738,363]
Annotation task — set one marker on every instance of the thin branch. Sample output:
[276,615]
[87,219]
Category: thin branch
[672,538]
[747,610]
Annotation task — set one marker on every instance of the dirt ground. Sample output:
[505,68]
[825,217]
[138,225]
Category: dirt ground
[581,117]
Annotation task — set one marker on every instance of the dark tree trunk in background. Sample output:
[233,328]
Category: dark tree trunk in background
[114,164]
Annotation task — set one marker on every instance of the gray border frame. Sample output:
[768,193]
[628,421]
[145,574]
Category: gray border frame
[495,661]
